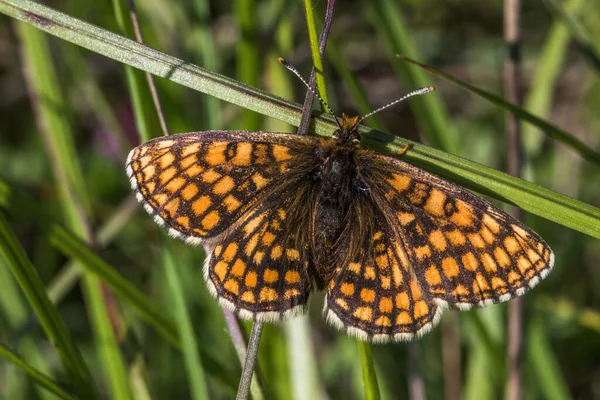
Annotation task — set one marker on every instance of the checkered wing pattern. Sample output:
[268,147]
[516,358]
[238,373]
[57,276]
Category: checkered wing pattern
[438,245]
[232,192]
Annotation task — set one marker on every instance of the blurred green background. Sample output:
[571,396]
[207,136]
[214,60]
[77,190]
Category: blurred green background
[93,125]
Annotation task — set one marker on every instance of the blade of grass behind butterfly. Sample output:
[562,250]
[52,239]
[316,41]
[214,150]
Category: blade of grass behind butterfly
[195,374]
[58,141]
[538,99]
[543,202]
[38,377]
[585,41]
[552,131]
[429,110]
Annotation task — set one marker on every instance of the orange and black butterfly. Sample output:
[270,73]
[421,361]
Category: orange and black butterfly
[282,215]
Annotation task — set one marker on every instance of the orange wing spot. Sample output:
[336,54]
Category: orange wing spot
[378,235]
[167,175]
[259,180]
[437,240]
[230,251]
[188,161]
[202,204]
[282,214]
[342,303]
[470,262]
[270,275]
[254,223]
[488,262]
[248,297]
[211,220]
[533,256]
[523,264]
[367,295]
[380,247]
[292,277]
[194,170]
[232,286]
[175,184]
[223,186]
[160,199]
[514,278]
[149,187]
[172,207]
[238,269]
[260,154]
[189,191]
[435,203]
[385,282]
[464,215]
[215,154]
[540,265]
[251,244]
[221,270]
[149,171]
[487,235]
[382,261]
[476,240]
[386,305]
[403,319]
[456,237]
[347,289]
[383,321]
[231,203]
[184,221]
[354,267]
[190,149]
[292,254]
[268,294]
[218,250]
[405,218]
[165,143]
[369,273]
[397,275]
[210,176]
[432,276]
[501,257]
[291,293]
[399,182]
[251,279]
[422,252]
[498,283]
[363,313]
[415,289]
[460,290]
[243,154]
[276,252]
[481,282]
[167,159]
[512,245]
[520,231]
[258,256]
[491,223]
[268,238]
[402,301]
[281,153]
[421,309]
[450,267]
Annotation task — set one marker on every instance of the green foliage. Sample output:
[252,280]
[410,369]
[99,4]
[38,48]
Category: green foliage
[143,323]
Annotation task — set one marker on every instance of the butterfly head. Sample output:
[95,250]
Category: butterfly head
[347,134]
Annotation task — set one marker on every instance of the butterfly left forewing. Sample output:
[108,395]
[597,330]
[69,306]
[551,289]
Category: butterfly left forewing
[463,251]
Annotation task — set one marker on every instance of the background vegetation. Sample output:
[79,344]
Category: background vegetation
[68,118]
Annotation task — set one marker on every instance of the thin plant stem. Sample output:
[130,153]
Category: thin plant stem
[512,81]
[149,78]
[251,356]
[309,98]
[451,356]
[416,387]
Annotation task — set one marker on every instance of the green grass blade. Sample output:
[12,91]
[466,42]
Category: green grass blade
[551,130]
[429,110]
[191,356]
[33,288]
[314,49]
[38,377]
[368,371]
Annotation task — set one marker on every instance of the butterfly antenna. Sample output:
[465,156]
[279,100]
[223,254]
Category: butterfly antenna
[424,90]
[289,66]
